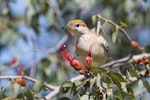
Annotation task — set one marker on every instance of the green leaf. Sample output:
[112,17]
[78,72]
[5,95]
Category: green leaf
[147,85]
[38,86]
[92,82]
[122,24]
[105,78]
[45,62]
[120,77]
[99,18]
[94,19]
[116,93]
[133,73]
[147,48]
[98,70]
[73,89]
[114,37]
[27,93]
[2,95]
[66,87]
[129,88]
[84,97]
[115,80]
[10,98]
[98,81]
[127,96]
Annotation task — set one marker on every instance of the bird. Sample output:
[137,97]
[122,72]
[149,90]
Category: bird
[85,39]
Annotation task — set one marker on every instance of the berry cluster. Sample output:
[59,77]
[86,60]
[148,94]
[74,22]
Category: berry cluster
[77,64]
[142,61]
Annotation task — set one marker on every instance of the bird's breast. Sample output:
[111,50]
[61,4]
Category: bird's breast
[83,45]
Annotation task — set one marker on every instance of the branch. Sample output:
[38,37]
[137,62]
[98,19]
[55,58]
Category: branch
[48,52]
[124,61]
[117,26]
[56,91]
[30,79]
[113,64]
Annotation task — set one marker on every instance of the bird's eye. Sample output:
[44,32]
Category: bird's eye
[77,25]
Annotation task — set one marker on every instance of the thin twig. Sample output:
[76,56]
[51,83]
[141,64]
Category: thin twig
[124,61]
[28,78]
[114,24]
[56,91]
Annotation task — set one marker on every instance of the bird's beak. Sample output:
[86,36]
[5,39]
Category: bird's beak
[64,27]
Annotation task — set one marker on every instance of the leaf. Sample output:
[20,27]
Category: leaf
[127,96]
[129,88]
[2,95]
[147,48]
[133,73]
[122,24]
[45,62]
[92,82]
[98,81]
[84,97]
[66,87]
[120,77]
[140,84]
[94,19]
[27,93]
[114,37]
[10,98]
[98,70]
[105,78]
[73,90]
[128,76]
[116,93]
[115,80]
[38,86]
[147,85]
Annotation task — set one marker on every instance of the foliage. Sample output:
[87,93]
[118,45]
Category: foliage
[31,37]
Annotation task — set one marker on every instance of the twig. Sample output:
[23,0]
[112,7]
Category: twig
[114,24]
[56,91]
[124,61]
[48,52]
[30,79]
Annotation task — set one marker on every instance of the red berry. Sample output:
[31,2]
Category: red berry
[21,81]
[88,62]
[76,64]
[13,60]
[135,44]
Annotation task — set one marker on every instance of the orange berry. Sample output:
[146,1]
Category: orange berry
[88,62]
[146,61]
[82,72]
[76,64]
[145,57]
[13,60]
[21,81]
[141,63]
[140,60]
[135,44]
[136,61]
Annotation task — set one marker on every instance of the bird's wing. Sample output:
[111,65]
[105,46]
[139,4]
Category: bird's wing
[104,43]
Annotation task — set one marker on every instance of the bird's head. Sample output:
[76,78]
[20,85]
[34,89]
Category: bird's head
[76,27]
